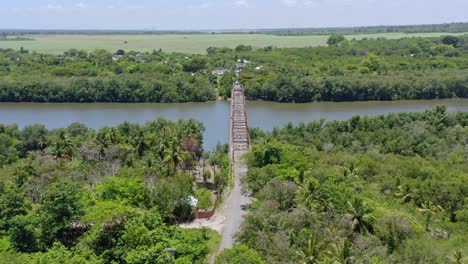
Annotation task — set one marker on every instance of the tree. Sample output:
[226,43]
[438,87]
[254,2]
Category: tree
[128,191]
[196,64]
[174,155]
[451,40]
[8,149]
[334,40]
[13,202]
[243,48]
[63,147]
[361,216]
[239,254]
[372,63]
[60,207]
[32,137]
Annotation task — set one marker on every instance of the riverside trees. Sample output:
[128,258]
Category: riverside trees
[380,189]
[353,70]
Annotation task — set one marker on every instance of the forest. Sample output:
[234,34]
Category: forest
[360,70]
[116,195]
[384,189]
[345,70]
[446,28]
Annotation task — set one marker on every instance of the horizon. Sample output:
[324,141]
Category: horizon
[221,30]
[206,15]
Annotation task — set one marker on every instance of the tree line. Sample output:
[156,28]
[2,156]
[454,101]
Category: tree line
[346,70]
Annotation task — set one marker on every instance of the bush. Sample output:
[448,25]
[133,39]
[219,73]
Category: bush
[204,198]
[239,254]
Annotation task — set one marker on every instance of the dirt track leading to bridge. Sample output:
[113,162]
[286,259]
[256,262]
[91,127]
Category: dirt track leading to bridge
[232,209]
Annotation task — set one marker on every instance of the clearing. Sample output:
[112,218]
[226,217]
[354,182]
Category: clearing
[198,43]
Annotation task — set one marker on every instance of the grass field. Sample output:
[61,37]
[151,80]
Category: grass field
[178,43]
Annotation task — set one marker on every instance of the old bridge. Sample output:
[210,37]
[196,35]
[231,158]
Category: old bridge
[239,144]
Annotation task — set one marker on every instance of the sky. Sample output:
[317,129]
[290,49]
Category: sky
[225,14]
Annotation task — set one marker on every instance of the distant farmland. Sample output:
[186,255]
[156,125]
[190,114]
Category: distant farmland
[180,43]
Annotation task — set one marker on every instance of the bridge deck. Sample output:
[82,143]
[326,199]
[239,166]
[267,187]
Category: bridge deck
[239,137]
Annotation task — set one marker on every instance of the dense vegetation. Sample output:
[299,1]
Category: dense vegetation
[5,38]
[347,70]
[76,195]
[372,69]
[448,28]
[386,189]
[99,77]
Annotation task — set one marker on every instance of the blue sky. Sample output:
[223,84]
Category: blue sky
[224,14]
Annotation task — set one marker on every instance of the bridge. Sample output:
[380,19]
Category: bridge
[239,144]
[239,133]
[229,219]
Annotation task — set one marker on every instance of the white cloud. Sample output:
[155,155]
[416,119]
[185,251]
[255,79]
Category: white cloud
[241,3]
[53,6]
[290,3]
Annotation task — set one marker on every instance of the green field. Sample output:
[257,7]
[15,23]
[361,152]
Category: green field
[179,43]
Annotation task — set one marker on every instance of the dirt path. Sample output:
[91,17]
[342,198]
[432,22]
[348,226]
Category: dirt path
[232,209]
[228,219]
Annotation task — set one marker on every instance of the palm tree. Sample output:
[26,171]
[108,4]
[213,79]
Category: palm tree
[42,142]
[428,210]
[313,196]
[457,257]
[140,144]
[63,147]
[174,155]
[343,251]
[361,216]
[406,193]
[352,171]
[311,248]
[112,136]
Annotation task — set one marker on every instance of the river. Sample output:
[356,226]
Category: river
[214,115]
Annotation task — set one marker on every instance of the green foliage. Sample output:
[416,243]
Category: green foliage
[354,70]
[77,77]
[239,254]
[334,40]
[359,70]
[5,245]
[128,191]
[205,201]
[365,190]
[8,149]
[76,195]
[60,254]
[241,48]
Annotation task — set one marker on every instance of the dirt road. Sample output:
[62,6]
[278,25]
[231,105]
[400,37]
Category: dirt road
[232,209]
